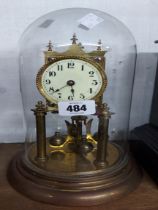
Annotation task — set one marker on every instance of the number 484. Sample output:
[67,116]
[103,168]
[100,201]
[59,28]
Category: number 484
[76,108]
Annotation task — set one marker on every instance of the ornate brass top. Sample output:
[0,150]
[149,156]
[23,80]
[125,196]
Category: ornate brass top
[75,50]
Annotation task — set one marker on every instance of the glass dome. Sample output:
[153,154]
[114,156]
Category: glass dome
[106,44]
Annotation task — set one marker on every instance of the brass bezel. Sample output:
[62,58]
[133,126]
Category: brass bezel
[60,58]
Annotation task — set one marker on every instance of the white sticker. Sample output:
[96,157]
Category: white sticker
[90,20]
[69,108]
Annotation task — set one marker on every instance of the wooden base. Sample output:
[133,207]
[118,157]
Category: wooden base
[75,190]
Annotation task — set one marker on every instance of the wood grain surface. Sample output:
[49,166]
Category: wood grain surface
[145,197]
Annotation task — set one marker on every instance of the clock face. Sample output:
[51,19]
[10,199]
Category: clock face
[71,79]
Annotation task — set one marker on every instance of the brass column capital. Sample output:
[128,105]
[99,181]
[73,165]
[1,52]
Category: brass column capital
[104,110]
[40,109]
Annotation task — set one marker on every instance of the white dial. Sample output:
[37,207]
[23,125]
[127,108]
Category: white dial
[71,79]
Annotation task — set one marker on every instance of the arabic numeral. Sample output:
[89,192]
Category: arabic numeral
[76,108]
[95,82]
[70,108]
[70,65]
[47,81]
[51,89]
[52,74]
[91,73]
[70,98]
[59,95]
[83,107]
[82,96]
[60,67]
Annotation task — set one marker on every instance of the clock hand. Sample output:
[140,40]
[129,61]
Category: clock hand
[72,91]
[57,90]
[69,83]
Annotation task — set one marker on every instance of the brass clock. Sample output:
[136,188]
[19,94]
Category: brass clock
[76,167]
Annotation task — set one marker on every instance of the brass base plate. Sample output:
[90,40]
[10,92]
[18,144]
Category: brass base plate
[66,161]
[80,188]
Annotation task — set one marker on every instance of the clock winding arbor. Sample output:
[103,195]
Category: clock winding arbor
[75,168]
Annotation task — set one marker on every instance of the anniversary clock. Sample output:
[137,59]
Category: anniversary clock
[76,105]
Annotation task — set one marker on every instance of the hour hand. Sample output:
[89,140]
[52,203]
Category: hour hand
[72,91]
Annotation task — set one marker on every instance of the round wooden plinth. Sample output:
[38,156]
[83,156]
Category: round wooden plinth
[75,190]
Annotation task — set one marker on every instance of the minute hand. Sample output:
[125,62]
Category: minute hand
[60,88]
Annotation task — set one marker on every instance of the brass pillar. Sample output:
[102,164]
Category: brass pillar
[104,115]
[40,113]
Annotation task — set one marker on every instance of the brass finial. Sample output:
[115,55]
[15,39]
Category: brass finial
[50,46]
[99,45]
[40,105]
[74,39]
